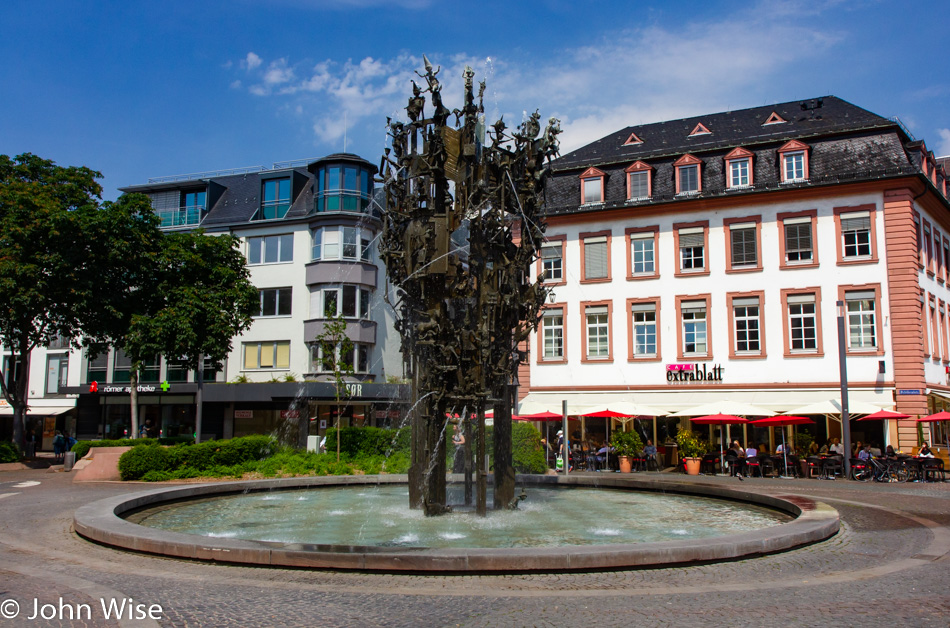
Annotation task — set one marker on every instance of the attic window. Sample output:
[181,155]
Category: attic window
[592,186]
[633,140]
[774,119]
[700,130]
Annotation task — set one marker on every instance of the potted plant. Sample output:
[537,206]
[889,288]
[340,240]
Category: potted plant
[626,445]
[690,450]
[803,441]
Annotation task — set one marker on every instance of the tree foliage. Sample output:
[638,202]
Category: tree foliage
[49,278]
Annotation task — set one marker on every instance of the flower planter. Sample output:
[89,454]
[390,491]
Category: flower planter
[692,465]
[626,464]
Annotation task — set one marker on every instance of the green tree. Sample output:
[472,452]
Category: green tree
[196,296]
[50,277]
[333,338]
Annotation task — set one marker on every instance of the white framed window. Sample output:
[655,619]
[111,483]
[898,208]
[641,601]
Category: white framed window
[643,253]
[644,329]
[802,323]
[862,320]
[551,261]
[552,334]
[739,173]
[341,243]
[692,244]
[267,355]
[598,332]
[275,301]
[345,301]
[694,328]
[595,257]
[743,245]
[274,249]
[57,372]
[798,241]
[856,235]
[793,166]
[325,357]
[747,322]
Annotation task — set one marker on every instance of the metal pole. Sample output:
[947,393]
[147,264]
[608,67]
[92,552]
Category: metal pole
[567,445]
[843,369]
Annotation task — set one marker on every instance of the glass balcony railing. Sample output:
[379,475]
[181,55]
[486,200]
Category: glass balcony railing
[342,201]
[181,217]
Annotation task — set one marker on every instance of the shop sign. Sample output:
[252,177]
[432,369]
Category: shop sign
[676,373]
[909,391]
[290,414]
[243,414]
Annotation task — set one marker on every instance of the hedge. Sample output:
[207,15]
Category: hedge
[8,452]
[217,457]
[81,448]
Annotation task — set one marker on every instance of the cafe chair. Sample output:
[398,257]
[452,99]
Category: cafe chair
[708,464]
[752,467]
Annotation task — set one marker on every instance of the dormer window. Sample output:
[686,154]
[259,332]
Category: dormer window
[774,119]
[639,181]
[592,186]
[793,162]
[633,140]
[700,129]
[739,169]
[275,199]
[688,175]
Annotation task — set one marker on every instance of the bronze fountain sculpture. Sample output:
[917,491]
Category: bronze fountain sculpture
[462,231]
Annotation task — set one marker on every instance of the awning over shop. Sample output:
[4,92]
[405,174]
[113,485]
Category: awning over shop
[676,400]
[6,410]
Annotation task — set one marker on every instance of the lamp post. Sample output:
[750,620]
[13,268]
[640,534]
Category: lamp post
[843,370]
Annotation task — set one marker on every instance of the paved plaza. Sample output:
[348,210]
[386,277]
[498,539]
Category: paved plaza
[888,566]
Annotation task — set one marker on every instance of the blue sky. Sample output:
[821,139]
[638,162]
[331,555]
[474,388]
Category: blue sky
[144,89]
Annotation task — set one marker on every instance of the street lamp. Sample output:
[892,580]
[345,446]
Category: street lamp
[843,370]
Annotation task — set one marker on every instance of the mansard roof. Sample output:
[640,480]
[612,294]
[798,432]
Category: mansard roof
[819,116]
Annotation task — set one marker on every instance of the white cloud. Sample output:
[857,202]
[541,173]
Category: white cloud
[252,61]
[943,146]
[236,84]
[628,77]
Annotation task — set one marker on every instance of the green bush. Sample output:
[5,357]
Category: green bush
[626,443]
[8,452]
[138,461]
[238,450]
[82,447]
[398,462]
[688,446]
[368,441]
[527,455]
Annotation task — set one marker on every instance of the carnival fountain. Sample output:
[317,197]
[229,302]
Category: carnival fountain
[462,230]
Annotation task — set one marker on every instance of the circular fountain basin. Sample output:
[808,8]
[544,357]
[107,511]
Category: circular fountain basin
[364,523]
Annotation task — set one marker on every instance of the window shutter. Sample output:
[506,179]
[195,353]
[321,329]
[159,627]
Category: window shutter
[690,240]
[595,258]
[855,222]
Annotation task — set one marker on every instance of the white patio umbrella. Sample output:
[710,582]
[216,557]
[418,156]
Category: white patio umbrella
[833,406]
[725,406]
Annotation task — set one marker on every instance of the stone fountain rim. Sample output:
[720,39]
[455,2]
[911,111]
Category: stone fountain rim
[102,522]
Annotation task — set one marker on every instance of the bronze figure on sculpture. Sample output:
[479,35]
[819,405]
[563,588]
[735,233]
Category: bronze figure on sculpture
[462,232]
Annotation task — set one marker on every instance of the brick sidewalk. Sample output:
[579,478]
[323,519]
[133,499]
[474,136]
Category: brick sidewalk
[887,567]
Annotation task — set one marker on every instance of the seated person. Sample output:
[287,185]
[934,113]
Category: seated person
[737,449]
[751,451]
[865,453]
[780,449]
[813,449]
[858,446]
[649,450]
[826,448]
[890,453]
[836,447]
[924,451]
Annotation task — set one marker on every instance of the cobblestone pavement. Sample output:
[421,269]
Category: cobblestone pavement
[889,566]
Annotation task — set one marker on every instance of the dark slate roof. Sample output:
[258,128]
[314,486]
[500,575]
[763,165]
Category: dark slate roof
[727,129]
[846,143]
